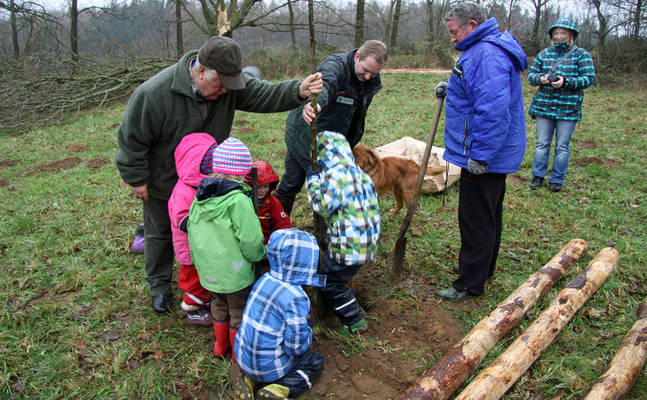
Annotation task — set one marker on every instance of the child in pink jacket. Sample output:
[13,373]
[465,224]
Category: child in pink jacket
[193,162]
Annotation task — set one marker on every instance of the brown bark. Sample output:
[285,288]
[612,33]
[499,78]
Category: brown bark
[626,364]
[461,361]
[499,376]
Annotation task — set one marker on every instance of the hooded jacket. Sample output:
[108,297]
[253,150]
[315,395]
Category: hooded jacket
[344,102]
[485,114]
[274,329]
[225,235]
[345,196]
[164,109]
[188,156]
[578,72]
[270,210]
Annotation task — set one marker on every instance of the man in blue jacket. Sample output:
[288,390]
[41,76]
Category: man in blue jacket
[485,134]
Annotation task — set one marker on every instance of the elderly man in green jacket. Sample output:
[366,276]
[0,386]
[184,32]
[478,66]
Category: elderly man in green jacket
[200,93]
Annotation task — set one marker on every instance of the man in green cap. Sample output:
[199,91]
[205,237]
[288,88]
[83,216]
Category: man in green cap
[200,93]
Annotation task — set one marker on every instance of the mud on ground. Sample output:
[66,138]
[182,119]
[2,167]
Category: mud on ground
[406,336]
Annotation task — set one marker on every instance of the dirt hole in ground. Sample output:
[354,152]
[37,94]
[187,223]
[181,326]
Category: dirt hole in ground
[405,337]
[587,144]
[607,162]
[246,129]
[76,147]
[59,165]
[517,180]
[8,162]
[98,162]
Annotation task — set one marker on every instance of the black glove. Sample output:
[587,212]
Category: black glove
[441,90]
[477,167]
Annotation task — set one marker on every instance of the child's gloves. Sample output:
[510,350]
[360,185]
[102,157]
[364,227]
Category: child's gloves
[476,167]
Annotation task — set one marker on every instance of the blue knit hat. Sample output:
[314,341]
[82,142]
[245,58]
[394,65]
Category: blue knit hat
[232,157]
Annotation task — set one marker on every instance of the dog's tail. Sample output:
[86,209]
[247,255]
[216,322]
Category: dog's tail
[435,170]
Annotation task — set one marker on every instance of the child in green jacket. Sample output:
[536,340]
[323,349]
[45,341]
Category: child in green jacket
[225,239]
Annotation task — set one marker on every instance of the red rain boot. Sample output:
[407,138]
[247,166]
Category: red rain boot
[221,330]
[232,337]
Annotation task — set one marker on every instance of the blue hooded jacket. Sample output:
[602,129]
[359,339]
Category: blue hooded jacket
[274,329]
[485,117]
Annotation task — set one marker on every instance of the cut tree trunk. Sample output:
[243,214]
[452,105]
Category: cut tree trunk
[499,376]
[461,361]
[626,364]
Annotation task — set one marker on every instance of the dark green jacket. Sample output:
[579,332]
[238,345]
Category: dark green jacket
[164,109]
[344,102]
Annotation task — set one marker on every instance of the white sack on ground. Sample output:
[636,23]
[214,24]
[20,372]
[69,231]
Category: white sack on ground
[413,149]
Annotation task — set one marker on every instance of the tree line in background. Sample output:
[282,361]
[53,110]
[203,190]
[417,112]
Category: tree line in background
[100,53]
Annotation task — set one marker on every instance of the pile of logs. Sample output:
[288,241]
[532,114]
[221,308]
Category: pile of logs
[442,380]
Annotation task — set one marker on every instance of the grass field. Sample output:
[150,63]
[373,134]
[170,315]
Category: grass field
[75,319]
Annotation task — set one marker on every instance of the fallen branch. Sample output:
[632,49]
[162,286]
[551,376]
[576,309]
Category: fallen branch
[626,364]
[499,376]
[461,361]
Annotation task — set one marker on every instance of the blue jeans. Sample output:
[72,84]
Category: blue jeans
[563,131]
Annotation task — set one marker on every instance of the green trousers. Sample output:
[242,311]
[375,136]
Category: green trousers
[158,252]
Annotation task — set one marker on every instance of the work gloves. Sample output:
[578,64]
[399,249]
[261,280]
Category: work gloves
[441,90]
[476,167]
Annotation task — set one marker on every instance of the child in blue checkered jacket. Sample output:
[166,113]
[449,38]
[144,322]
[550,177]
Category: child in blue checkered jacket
[273,343]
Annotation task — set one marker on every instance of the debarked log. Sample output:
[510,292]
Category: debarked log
[442,380]
[499,376]
[626,364]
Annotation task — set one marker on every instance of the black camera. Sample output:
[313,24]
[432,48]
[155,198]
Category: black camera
[552,77]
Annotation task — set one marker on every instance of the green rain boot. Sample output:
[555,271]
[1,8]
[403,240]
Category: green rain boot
[243,385]
[273,391]
[358,327]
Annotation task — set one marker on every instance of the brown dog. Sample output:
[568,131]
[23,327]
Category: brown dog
[391,173]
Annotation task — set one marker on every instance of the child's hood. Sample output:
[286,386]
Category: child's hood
[188,157]
[264,174]
[218,187]
[293,256]
[333,151]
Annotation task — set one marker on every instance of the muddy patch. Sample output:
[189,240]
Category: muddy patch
[517,180]
[8,162]
[404,336]
[98,162]
[240,122]
[4,181]
[246,129]
[59,165]
[587,144]
[607,162]
[76,147]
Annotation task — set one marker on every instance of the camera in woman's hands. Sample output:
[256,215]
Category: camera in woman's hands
[552,77]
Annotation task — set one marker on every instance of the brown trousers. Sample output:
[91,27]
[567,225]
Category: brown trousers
[229,306]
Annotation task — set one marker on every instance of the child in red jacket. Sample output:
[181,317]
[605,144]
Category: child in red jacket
[270,210]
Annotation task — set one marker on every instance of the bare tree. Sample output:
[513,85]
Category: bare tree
[14,29]
[537,6]
[396,21]
[637,12]
[179,35]
[293,33]
[359,23]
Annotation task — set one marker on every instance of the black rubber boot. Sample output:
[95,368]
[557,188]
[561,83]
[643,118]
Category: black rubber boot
[286,201]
